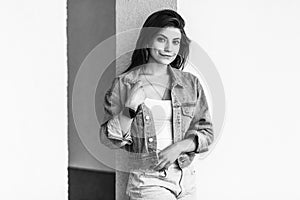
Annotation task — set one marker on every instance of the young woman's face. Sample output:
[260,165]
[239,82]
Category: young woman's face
[165,45]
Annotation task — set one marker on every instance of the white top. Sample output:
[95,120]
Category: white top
[162,116]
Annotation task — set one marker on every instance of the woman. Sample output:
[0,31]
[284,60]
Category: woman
[158,113]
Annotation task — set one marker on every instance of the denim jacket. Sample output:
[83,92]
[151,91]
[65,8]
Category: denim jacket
[190,118]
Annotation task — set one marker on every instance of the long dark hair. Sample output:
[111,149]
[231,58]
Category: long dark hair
[153,24]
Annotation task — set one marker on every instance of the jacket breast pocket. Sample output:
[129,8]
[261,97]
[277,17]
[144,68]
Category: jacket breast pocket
[188,112]
[188,109]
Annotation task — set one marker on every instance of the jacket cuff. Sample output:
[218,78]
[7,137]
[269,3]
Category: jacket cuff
[115,132]
[201,141]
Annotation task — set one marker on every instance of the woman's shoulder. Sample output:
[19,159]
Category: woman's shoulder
[186,77]
[128,76]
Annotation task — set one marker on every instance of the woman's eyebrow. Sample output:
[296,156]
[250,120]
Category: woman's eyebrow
[167,37]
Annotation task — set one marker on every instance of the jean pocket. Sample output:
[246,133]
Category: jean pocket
[190,173]
[189,180]
[134,180]
[192,170]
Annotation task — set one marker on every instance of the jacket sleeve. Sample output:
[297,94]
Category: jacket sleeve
[111,133]
[201,125]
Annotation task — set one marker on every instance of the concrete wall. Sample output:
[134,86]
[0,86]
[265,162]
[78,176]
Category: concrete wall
[89,23]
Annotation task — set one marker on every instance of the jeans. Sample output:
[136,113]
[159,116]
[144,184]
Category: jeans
[170,184]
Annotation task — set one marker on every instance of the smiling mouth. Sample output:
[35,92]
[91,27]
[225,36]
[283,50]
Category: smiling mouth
[166,55]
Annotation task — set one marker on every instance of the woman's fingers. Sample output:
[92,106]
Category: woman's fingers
[162,164]
[137,85]
[167,166]
[159,166]
[135,97]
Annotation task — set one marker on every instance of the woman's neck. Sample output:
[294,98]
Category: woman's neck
[155,69]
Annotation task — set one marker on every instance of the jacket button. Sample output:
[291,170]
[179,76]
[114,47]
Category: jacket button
[147,117]
[150,139]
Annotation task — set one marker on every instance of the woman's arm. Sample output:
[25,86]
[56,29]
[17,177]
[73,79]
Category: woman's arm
[116,125]
[201,127]
[198,136]
[170,154]
[187,145]
[135,97]
[112,132]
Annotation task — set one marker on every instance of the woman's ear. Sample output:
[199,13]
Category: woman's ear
[145,54]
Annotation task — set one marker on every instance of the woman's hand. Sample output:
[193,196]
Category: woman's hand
[169,155]
[136,96]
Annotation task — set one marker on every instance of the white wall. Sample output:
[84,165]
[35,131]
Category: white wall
[254,44]
[33,103]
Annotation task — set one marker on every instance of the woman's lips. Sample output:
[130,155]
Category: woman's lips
[166,55]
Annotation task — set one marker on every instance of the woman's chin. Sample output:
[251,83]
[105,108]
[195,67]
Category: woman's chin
[165,61]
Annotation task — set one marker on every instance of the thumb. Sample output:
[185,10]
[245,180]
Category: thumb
[137,85]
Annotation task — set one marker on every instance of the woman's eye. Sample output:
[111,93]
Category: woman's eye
[161,39]
[176,42]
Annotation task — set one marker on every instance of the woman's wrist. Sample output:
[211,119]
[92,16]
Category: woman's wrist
[129,112]
[187,145]
[131,105]
[125,122]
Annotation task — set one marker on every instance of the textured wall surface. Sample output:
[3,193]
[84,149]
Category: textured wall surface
[131,14]
[89,23]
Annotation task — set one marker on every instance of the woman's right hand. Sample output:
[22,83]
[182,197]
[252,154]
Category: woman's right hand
[136,96]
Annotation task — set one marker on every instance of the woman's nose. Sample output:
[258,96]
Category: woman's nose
[168,47]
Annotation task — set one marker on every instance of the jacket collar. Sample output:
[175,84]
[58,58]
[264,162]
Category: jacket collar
[175,74]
